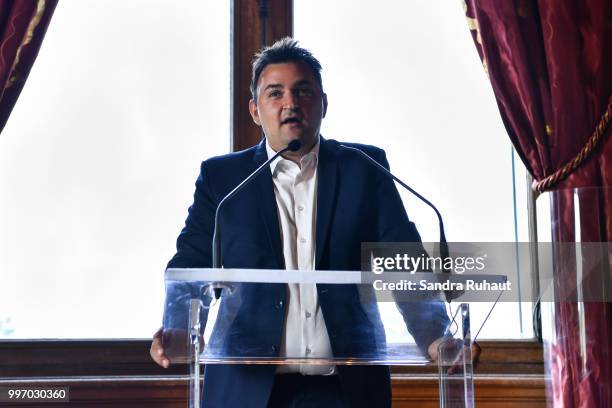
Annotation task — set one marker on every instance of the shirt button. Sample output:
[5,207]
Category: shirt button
[308,351]
[308,314]
[303,240]
[300,208]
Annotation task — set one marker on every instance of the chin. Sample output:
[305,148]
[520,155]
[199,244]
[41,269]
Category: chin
[301,136]
[290,138]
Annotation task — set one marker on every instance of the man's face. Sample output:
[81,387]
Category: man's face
[290,105]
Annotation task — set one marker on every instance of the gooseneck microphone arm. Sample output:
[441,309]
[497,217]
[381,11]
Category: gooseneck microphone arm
[443,244]
[293,146]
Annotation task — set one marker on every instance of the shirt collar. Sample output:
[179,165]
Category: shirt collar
[312,154]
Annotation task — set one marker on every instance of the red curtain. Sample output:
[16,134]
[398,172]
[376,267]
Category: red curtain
[550,65]
[23,24]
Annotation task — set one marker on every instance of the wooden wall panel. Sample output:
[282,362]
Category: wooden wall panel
[408,392]
[490,392]
[246,41]
[49,358]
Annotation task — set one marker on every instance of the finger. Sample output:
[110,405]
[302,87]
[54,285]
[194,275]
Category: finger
[161,360]
[456,366]
[154,353]
[157,353]
[476,351]
[156,347]
[454,369]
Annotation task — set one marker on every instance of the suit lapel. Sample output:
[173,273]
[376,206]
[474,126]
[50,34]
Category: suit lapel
[326,194]
[267,202]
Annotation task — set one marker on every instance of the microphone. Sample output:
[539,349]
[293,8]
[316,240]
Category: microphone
[293,146]
[443,244]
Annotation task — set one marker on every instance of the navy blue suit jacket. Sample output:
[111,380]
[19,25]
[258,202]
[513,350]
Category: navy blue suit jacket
[355,204]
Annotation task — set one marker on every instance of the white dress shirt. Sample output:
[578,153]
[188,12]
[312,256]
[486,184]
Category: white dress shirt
[295,189]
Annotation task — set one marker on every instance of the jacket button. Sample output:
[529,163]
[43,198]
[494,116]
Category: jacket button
[273,348]
[279,304]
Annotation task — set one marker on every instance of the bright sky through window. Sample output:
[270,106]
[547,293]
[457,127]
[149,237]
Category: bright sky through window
[405,76]
[98,161]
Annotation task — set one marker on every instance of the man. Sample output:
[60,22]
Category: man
[312,210]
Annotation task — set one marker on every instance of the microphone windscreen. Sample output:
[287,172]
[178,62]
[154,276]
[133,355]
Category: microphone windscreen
[294,145]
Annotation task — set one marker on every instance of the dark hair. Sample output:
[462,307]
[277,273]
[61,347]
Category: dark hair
[284,50]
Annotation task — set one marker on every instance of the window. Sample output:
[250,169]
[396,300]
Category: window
[93,190]
[405,76]
[183,48]
[98,161]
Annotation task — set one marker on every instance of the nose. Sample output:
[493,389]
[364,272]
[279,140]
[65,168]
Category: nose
[290,101]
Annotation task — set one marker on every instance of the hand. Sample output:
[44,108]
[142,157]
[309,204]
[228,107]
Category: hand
[432,350]
[158,354]
[457,364]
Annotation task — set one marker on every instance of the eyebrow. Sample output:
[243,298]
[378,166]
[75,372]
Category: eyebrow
[303,82]
[277,86]
[273,86]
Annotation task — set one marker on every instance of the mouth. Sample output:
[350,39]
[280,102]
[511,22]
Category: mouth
[292,121]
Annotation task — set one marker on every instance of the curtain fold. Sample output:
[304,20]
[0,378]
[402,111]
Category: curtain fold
[550,66]
[23,24]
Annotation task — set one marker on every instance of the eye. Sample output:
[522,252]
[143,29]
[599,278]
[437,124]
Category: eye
[304,92]
[275,93]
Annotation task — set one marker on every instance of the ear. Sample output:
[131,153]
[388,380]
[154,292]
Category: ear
[324,104]
[254,112]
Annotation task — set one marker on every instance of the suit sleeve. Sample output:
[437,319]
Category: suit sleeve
[426,319]
[193,250]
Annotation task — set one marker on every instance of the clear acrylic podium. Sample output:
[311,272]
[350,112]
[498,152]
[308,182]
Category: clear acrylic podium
[203,309]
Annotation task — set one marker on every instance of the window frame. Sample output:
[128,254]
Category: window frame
[130,357]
